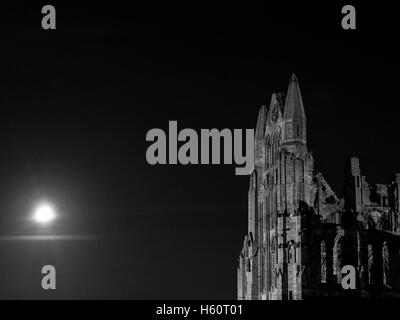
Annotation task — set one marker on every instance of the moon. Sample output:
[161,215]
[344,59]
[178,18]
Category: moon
[44,214]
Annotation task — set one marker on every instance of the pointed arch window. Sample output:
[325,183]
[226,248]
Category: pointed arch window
[386,265]
[370,264]
[274,152]
[291,253]
[269,153]
[323,262]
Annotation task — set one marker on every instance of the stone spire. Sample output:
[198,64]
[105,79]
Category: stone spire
[261,122]
[259,143]
[294,108]
[294,115]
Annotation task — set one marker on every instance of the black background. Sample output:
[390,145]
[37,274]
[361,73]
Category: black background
[76,104]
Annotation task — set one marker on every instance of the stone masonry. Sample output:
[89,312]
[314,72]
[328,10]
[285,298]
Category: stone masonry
[300,234]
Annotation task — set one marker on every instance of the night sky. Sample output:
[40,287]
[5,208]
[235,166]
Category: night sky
[76,104]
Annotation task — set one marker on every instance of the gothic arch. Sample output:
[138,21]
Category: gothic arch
[377,220]
[338,255]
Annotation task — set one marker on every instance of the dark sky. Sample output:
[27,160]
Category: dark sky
[76,104]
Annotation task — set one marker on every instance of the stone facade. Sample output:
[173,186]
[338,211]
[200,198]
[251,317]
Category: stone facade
[300,234]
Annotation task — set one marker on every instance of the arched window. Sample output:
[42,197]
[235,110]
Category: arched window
[386,267]
[323,262]
[337,256]
[269,154]
[279,137]
[272,154]
[291,253]
[268,150]
[370,264]
[273,151]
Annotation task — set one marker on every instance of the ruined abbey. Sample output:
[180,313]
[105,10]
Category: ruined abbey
[300,233]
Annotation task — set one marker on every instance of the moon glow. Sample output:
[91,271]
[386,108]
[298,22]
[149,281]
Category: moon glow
[44,214]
